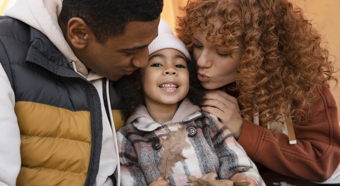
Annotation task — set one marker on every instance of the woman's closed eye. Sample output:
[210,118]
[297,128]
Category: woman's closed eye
[197,45]
[222,54]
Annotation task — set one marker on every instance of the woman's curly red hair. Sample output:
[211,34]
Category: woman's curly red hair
[282,54]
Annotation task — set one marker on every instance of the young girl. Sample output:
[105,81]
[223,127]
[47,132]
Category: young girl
[270,61]
[157,102]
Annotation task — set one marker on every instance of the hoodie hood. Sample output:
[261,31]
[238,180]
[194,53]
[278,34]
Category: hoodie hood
[142,120]
[43,16]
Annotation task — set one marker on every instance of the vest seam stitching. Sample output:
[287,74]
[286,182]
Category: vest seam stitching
[54,137]
[52,169]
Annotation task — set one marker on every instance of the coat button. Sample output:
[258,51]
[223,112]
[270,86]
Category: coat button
[156,144]
[191,131]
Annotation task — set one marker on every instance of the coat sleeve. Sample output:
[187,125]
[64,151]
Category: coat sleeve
[317,153]
[233,159]
[130,172]
[10,160]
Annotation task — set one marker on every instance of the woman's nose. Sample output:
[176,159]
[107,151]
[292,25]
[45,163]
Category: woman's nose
[204,60]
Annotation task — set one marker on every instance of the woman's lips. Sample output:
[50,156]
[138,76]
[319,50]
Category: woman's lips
[203,78]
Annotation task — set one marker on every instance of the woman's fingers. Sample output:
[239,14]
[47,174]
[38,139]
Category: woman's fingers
[215,111]
[217,94]
[224,107]
[216,104]
[220,100]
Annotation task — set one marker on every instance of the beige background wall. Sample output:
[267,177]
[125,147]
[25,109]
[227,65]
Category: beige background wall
[325,15]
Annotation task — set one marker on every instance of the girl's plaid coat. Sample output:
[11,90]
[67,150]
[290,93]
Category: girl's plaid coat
[213,148]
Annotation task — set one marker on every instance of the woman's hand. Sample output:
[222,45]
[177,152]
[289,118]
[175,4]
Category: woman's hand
[225,107]
[243,178]
[159,182]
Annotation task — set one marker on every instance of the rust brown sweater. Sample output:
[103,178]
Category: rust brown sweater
[316,154]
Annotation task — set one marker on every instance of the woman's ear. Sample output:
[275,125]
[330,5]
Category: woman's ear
[78,32]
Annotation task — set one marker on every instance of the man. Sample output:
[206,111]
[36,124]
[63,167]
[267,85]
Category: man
[56,100]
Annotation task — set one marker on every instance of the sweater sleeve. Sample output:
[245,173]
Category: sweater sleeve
[10,161]
[233,159]
[317,153]
[131,173]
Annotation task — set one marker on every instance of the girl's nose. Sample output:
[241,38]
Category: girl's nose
[170,71]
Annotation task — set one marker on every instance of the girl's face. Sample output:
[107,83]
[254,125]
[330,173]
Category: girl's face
[215,67]
[166,78]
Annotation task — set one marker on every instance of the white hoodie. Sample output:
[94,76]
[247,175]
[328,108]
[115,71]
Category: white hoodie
[42,15]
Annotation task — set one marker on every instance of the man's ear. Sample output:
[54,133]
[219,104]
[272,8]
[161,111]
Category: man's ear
[78,32]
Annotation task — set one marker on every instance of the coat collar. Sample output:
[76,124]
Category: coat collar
[42,52]
[142,120]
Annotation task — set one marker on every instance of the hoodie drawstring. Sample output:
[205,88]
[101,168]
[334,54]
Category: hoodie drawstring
[290,131]
[74,66]
[113,130]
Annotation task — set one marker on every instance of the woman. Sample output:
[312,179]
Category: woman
[268,59]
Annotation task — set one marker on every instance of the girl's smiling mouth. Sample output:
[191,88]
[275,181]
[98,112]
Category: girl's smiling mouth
[169,87]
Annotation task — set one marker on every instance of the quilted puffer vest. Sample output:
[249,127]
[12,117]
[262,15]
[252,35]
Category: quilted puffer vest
[58,111]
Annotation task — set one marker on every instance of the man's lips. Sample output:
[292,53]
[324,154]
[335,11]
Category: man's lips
[202,77]
[129,72]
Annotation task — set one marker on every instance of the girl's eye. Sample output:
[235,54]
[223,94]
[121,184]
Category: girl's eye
[156,65]
[197,46]
[221,54]
[179,66]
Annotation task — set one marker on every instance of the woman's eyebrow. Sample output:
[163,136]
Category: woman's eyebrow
[195,39]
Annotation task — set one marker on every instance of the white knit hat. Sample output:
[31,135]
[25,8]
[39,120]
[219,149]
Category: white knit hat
[167,39]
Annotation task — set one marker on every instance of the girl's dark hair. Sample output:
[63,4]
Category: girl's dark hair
[131,88]
[108,18]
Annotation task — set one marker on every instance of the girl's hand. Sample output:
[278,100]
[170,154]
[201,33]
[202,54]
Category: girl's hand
[242,178]
[225,107]
[159,182]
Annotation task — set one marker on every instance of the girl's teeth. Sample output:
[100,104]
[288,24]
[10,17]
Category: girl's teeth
[168,86]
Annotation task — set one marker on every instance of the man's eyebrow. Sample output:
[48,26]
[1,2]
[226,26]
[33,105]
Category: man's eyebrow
[132,49]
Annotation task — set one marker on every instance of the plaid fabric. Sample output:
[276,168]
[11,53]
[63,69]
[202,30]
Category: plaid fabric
[213,149]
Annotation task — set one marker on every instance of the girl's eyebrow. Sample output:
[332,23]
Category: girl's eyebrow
[157,55]
[179,56]
[162,56]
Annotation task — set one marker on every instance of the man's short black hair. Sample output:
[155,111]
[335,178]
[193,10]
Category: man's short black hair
[108,18]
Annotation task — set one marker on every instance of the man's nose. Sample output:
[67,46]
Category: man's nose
[141,58]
